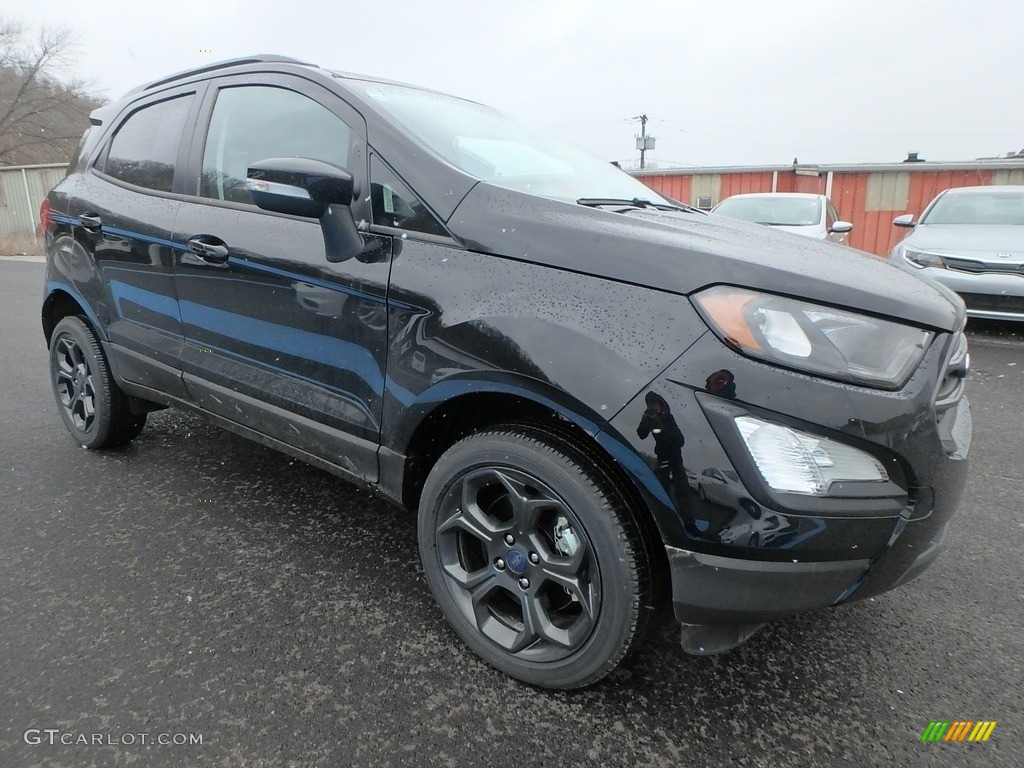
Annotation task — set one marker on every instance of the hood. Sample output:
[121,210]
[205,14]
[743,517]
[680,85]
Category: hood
[682,252]
[983,241]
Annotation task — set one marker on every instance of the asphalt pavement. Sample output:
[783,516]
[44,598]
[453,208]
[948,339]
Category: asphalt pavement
[195,587]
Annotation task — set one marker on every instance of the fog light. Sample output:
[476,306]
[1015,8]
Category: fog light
[797,462]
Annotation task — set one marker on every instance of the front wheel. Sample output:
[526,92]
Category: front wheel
[533,557]
[93,407]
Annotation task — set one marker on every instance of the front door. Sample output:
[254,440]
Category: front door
[276,338]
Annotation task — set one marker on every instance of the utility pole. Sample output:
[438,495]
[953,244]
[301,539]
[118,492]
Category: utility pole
[643,141]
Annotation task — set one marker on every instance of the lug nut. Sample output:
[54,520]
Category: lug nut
[534,558]
[499,564]
[510,539]
[524,583]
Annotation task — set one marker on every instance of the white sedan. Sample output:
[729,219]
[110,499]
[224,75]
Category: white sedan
[804,214]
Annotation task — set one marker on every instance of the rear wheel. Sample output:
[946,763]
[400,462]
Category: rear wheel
[533,556]
[93,407]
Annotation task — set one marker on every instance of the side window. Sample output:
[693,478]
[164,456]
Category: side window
[255,122]
[145,147]
[830,216]
[395,205]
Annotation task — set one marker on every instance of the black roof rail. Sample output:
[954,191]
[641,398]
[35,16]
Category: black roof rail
[261,58]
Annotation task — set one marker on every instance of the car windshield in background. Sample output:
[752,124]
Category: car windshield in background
[499,149]
[995,207]
[773,211]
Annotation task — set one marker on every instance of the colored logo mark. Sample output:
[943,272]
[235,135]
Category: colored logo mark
[958,730]
[516,561]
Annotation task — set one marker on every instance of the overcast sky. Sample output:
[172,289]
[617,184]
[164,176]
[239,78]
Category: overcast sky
[723,83]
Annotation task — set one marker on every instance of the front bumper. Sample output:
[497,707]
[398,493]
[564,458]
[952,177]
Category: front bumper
[716,590]
[711,589]
[743,554]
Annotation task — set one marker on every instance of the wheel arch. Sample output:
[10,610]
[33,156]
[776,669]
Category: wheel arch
[449,420]
[60,302]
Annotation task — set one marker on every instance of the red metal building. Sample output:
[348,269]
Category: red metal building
[868,196]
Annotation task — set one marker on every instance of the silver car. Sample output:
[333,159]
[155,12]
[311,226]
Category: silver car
[804,214]
[971,240]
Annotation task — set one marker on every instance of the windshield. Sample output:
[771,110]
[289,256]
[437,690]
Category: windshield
[775,211]
[499,149]
[995,207]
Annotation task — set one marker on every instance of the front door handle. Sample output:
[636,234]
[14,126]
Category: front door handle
[209,249]
[90,221]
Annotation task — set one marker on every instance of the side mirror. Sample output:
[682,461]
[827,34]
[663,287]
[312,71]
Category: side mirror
[840,227]
[309,188]
[906,220]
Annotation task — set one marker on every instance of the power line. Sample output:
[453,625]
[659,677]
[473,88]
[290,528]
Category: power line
[588,125]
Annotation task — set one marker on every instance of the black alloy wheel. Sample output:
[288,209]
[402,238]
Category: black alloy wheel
[533,557]
[93,407]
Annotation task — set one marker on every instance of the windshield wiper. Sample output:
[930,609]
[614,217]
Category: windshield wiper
[636,202]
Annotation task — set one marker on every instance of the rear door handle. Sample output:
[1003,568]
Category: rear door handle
[90,221]
[209,249]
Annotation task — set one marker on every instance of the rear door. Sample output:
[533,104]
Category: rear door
[276,338]
[123,210]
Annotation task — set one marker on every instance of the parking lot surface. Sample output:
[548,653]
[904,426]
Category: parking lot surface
[193,583]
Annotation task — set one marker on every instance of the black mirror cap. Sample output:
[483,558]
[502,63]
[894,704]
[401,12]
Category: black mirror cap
[299,186]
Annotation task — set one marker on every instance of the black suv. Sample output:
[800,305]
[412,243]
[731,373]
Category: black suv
[592,395]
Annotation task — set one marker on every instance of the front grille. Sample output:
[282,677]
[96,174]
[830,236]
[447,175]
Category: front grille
[980,267]
[987,302]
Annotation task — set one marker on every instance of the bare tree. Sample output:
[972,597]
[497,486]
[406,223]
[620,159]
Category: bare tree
[42,111]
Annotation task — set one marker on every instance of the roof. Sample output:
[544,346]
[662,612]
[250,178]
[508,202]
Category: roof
[260,58]
[987,191]
[808,195]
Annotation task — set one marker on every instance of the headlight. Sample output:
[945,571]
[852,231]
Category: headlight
[814,338]
[920,258]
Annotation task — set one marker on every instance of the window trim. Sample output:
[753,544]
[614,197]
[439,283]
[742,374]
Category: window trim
[413,235]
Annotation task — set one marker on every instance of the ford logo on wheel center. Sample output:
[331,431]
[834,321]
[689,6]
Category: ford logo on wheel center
[516,561]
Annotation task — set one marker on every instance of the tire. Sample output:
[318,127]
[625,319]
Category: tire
[534,557]
[94,409]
